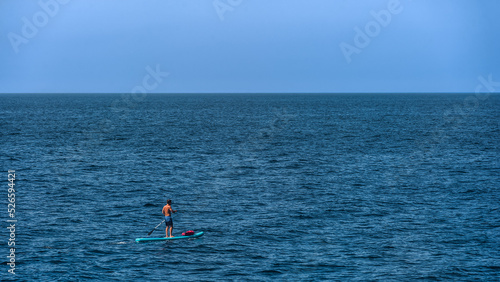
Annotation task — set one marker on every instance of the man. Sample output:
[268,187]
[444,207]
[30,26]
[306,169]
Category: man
[167,212]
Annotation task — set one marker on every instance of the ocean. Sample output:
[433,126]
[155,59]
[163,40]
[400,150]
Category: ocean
[285,186]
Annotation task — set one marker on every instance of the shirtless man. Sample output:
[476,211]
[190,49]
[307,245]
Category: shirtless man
[167,212]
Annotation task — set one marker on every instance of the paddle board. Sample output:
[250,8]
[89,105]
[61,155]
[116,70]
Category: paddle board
[196,235]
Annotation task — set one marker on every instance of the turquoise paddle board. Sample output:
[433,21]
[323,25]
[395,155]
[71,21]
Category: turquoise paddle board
[142,240]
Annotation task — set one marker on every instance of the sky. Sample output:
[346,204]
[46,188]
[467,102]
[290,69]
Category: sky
[247,46]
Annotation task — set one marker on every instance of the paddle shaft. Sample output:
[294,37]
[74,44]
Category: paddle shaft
[156,227]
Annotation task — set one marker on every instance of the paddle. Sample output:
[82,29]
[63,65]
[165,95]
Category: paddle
[156,227]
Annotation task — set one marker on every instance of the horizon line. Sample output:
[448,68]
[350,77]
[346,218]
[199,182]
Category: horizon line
[239,93]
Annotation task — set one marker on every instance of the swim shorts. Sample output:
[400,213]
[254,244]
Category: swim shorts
[168,221]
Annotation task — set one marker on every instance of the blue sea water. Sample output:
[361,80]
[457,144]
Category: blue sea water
[285,187]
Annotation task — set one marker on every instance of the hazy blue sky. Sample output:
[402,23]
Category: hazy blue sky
[248,45]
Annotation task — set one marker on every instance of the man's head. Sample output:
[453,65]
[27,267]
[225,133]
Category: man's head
[169,202]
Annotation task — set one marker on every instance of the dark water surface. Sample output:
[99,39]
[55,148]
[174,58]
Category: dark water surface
[286,187]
